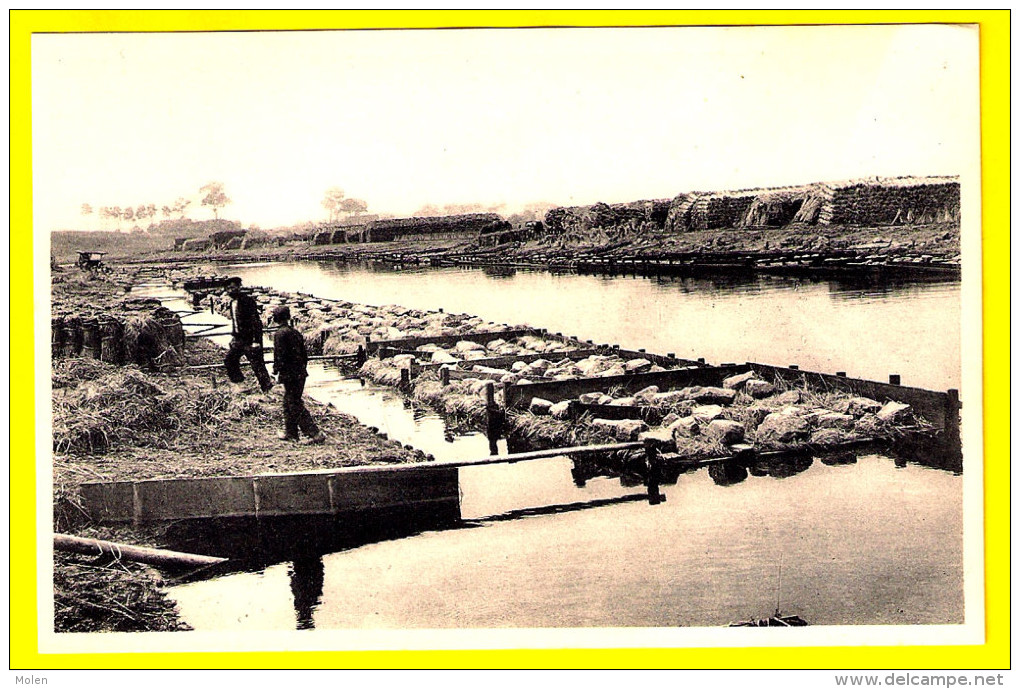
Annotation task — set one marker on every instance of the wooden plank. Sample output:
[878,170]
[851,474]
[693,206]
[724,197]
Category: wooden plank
[510,360]
[546,454]
[457,374]
[411,343]
[318,357]
[618,412]
[520,396]
[937,407]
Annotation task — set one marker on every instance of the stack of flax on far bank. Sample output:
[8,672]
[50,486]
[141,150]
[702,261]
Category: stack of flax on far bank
[94,319]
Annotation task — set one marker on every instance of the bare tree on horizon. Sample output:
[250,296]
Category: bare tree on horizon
[214,197]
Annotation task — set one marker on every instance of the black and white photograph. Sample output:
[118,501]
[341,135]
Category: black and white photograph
[491,338]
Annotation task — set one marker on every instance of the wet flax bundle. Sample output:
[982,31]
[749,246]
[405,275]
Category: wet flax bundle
[155,338]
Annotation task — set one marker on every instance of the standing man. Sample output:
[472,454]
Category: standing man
[289,361]
[246,340]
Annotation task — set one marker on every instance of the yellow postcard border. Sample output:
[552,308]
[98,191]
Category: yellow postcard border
[995,137]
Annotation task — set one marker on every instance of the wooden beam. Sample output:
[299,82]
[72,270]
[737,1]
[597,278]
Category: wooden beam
[150,556]
[323,357]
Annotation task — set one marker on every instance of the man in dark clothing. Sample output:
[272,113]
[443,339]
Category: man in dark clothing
[246,337]
[289,361]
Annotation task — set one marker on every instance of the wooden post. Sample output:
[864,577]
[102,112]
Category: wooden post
[492,429]
[362,356]
[405,379]
[653,466]
[951,416]
[444,375]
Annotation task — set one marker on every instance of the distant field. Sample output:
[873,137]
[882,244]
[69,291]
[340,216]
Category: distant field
[65,245]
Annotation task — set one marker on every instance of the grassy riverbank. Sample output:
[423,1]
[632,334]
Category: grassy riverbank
[937,240]
[933,243]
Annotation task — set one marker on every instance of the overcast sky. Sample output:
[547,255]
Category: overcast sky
[569,116]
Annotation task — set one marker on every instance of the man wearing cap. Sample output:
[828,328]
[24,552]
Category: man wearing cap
[289,361]
[246,337]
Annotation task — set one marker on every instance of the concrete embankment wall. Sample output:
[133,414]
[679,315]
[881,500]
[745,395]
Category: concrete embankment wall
[342,493]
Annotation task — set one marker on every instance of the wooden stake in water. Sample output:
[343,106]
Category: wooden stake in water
[779,587]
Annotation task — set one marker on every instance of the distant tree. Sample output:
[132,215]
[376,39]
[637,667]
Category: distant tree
[353,206]
[112,213]
[332,201]
[459,208]
[214,197]
[86,209]
[181,205]
[539,207]
[532,211]
[427,211]
[128,214]
[462,208]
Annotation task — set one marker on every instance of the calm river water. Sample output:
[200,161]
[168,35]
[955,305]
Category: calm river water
[874,541]
[866,327]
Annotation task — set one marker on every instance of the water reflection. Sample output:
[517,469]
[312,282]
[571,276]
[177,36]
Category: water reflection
[835,459]
[569,556]
[868,326]
[557,509]
[782,466]
[841,285]
[385,408]
[499,272]
[254,543]
[628,467]
[727,473]
[576,552]
[306,576]
[936,450]
[876,285]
